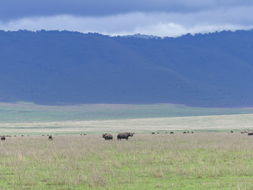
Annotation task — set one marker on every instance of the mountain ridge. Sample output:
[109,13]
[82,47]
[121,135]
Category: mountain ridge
[53,67]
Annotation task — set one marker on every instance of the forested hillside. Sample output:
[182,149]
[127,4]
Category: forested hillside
[51,67]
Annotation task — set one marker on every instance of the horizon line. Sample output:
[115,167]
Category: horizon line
[135,35]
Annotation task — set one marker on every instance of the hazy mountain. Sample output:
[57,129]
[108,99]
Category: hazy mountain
[66,67]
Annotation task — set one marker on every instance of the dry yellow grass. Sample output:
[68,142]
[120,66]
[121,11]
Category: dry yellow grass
[190,161]
[221,122]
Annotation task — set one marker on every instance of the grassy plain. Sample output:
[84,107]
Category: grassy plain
[142,125]
[36,119]
[211,158]
[196,161]
[28,112]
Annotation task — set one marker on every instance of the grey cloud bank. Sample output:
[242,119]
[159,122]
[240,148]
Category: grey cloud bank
[13,9]
[113,17]
[160,24]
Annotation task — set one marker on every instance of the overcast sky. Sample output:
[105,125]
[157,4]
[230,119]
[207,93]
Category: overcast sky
[116,17]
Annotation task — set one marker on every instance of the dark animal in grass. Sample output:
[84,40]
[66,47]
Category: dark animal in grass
[250,133]
[231,131]
[171,132]
[124,135]
[131,134]
[3,138]
[50,137]
[107,136]
[153,133]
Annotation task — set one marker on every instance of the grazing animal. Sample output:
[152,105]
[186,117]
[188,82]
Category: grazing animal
[3,138]
[153,133]
[250,133]
[171,132]
[50,137]
[231,131]
[131,134]
[107,136]
[124,135]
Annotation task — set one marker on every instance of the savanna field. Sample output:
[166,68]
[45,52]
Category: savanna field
[126,95]
[211,158]
[203,160]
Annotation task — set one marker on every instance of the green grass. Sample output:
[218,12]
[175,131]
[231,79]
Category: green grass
[25,112]
[178,162]
[214,160]
[141,125]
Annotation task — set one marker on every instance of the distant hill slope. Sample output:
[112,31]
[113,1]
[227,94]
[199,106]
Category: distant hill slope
[50,67]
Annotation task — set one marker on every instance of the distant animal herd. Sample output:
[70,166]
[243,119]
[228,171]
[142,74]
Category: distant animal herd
[127,135]
[120,136]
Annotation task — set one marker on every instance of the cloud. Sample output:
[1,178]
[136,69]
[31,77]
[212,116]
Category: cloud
[150,23]
[16,9]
